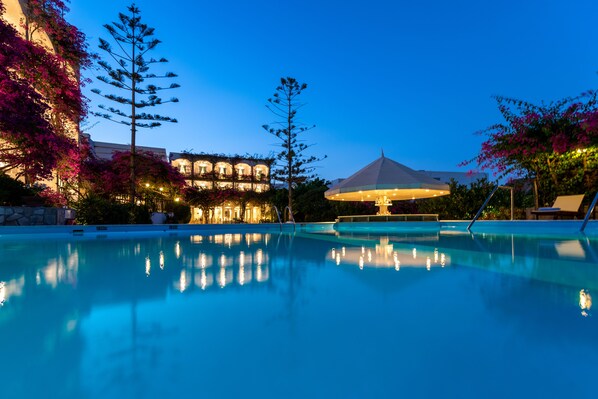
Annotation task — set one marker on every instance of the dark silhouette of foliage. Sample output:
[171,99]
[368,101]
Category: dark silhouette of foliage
[129,72]
[293,166]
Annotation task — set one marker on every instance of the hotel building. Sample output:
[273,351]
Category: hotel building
[215,171]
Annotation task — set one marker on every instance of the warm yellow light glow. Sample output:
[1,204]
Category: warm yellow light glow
[146,184]
[241,259]
[161,260]
[202,261]
[338,259]
[182,281]
[203,280]
[148,266]
[435,255]
[428,263]
[177,199]
[161,188]
[369,255]
[258,272]
[259,256]
[333,253]
[222,260]
[442,260]
[222,277]
[343,251]
[177,249]
[2,293]
[241,275]
[361,262]
[585,302]
[414,253]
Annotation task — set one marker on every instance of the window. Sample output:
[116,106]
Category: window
[258,174]
[202,169]
[241,170]
[222,170]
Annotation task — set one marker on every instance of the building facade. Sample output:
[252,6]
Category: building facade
[240,174]
[15,14]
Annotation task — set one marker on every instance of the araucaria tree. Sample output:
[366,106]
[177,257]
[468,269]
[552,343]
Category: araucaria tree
[292,166]
[129,72]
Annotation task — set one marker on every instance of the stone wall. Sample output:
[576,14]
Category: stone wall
[32,216]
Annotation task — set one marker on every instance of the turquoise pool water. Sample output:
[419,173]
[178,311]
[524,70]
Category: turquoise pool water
[283,315]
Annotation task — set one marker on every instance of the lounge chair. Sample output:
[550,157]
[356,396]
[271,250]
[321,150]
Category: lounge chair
[564,205]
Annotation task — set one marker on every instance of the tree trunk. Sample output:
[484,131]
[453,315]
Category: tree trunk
[133,120]
[289,157]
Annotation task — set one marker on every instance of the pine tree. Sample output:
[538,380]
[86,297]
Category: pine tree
[130,74]
[292,165]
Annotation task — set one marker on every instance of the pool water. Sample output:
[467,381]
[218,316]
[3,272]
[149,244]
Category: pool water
[298,315]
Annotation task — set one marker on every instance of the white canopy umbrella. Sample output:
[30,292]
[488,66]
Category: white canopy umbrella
[383,181]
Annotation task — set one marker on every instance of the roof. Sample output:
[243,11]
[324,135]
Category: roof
[106,150]
[387,177]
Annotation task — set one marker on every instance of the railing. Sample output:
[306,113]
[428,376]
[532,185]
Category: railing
[488,200]
[421,217]
[291,218]
[590,210]
[278,215]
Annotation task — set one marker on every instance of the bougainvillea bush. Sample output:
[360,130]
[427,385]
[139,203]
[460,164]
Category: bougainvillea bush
[555,145]
[41,103]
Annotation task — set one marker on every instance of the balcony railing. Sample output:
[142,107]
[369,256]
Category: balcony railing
[226,177]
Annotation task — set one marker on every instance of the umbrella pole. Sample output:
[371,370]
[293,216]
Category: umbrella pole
[382,202]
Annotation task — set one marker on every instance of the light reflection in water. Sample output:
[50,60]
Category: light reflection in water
[2,293]
[162,260]
[203,280]
[148,266]
[585,302]
[183,281]
[386,255]
[177,249]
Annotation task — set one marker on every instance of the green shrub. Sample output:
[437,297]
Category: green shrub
[14,192]
[182,213]
[94,209]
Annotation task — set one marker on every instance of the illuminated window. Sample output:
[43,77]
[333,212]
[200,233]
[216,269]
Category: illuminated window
[258,174]
[202,169]
[241,170]
[222,169]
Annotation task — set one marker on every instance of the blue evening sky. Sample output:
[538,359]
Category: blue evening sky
[412,77]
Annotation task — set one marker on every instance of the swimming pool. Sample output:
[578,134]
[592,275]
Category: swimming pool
[281,314]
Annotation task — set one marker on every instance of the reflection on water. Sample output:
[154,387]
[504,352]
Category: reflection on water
[91,317]
[386,255]
[585,302]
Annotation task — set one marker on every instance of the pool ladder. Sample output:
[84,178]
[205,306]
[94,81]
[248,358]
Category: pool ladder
[590,210]
[477,215]
[291,218]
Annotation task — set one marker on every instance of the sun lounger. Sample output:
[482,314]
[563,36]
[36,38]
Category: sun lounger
[564,205]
